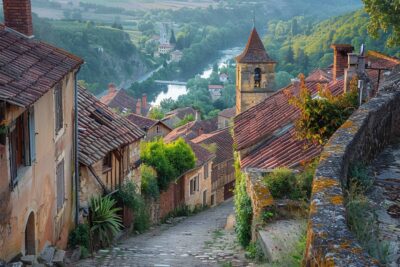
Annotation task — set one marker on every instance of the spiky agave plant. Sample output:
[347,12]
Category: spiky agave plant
[105,222]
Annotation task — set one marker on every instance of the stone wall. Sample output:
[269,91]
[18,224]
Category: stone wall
[360,139]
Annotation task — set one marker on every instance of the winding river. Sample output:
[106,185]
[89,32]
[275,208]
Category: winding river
[174,91]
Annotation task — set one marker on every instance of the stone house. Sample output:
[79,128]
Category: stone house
[175,116]
[225,117]
[37,137]
[197,181]
[220,143]
[121,101]
[152,128]
[108,148]
[215,91]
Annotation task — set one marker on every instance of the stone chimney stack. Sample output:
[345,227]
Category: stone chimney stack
[139,107]
[144,101]
[340,59]
[18,16]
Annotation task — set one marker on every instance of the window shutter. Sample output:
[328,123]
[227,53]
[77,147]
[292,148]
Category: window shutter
[60,184]
[32,134]
[26,140]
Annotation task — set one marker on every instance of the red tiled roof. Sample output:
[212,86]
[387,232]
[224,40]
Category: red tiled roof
[202,154]
[119,99]
[228,113]
[101,130]
[193,129]
[181,112]
[271,121]
[254,51]
[284,151]
[322,76]
[30,68]
[143,122]
[223,141]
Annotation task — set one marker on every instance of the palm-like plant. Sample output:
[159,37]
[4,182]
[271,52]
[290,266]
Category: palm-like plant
[105,223]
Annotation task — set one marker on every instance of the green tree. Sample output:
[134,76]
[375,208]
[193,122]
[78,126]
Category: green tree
[172,40]
[289,55]
[156,113]
[384,15]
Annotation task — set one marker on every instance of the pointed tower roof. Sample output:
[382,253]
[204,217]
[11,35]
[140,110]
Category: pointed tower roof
[254,51]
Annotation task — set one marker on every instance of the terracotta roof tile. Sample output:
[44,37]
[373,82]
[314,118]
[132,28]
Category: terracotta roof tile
[181,112]
[202,154]
[30,68]
[143,122]
[193,129]
[254,51]
[119,99]
[223,141]
[101,130]
[228,113]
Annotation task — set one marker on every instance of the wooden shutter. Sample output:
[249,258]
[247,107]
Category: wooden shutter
[32,134]
[26,139]
[13,153]
[60,184]
[58,100]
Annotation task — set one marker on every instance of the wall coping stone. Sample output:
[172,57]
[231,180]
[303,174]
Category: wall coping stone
[329,240]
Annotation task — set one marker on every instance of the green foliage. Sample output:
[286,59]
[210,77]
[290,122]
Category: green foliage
[169,160]
[255,252]
[149,182]
[186,119]
[80,237]
[129,195]
[284,183]
[156,113]
[320,117]
[384,16]
[105,222]
[360,216]
[141,221]
[243,209]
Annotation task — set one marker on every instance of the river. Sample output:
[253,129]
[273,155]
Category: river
[174,91]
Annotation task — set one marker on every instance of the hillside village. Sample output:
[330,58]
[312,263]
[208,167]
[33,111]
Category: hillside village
[93,181]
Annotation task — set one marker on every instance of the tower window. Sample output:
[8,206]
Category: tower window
[257,77]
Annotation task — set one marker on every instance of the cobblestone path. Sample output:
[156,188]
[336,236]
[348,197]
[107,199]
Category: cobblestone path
[200,240]
[385,199]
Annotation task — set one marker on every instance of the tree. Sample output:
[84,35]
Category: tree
[172,40]
[384,15]
[156,113]
[289,55]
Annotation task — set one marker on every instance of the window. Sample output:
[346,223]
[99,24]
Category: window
[205,198]
[257,77]
[22,143]
[107,165]
[194,185]
[158,129]
[206,170]
[60,185]
[212,199]
[58,101]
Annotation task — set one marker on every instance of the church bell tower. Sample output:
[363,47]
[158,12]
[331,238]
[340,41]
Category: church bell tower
[255,74]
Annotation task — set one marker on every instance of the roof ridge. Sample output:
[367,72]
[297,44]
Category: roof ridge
[254,51]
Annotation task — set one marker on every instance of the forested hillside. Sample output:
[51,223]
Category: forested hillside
[300,45]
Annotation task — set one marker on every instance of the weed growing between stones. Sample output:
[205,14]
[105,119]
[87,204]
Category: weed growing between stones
[360,216]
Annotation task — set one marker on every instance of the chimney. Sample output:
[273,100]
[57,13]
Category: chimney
[139,107]
[144,101]
[18,16]
[112,88]
[340,59]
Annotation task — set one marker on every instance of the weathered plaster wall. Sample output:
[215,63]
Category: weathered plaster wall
[36,189]
[205,184]
[360,139]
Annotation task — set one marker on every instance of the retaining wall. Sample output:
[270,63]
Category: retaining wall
[360,139]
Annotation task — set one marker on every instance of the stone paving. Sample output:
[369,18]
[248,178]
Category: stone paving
[385,198]
[200,240]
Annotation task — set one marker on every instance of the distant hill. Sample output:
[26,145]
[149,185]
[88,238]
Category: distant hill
[109,54]
[301,45]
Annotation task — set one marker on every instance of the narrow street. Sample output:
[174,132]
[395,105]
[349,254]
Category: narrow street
[199,240]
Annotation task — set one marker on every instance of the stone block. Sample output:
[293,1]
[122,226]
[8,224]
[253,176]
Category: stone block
[58,258]
[28,259]
[47,254]
[15,264]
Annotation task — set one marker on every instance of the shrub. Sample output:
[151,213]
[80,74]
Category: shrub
[80,237]
[128,194]
[149,182]
[142,218]
[321,117]
[105,223]
[281,183]
[254,252]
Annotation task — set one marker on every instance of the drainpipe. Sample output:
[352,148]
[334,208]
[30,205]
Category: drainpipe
[76,150]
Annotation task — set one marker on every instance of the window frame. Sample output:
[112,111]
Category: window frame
[58,109]
[60,180]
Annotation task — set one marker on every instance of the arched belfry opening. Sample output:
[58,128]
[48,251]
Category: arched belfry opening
[30,235]
[257,78]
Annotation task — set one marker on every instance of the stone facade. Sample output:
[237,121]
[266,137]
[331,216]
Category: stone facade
[247,94]
[360,139]
[197,197]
